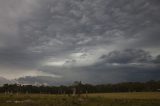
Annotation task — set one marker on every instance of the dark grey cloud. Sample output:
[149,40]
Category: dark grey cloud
[116,66]
[99,73]
[157,59]
[35,33]
[81,23]
[127,56]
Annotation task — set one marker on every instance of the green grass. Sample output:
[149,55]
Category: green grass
[106,99]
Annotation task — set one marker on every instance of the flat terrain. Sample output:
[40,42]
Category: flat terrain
[105,99]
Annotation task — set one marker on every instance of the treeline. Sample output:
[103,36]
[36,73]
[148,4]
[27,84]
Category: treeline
[79,88]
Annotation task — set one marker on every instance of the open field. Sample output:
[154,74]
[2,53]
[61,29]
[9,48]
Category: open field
[135,95]
[106,99]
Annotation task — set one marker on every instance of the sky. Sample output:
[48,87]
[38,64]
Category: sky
[93,41]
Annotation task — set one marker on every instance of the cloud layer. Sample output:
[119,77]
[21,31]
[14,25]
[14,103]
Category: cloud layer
[80,39]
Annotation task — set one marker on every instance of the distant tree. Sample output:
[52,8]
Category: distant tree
[77,88]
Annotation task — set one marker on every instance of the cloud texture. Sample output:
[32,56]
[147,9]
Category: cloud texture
[72,40]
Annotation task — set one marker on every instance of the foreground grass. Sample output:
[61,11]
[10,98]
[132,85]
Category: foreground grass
[106,99]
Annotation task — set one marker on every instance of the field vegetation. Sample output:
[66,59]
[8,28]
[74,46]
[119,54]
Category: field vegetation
[102,99]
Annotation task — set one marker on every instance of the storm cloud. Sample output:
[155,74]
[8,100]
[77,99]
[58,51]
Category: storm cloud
[72,40]
[128,56]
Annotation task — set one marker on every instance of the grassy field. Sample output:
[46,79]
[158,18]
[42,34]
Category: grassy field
[106,99]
